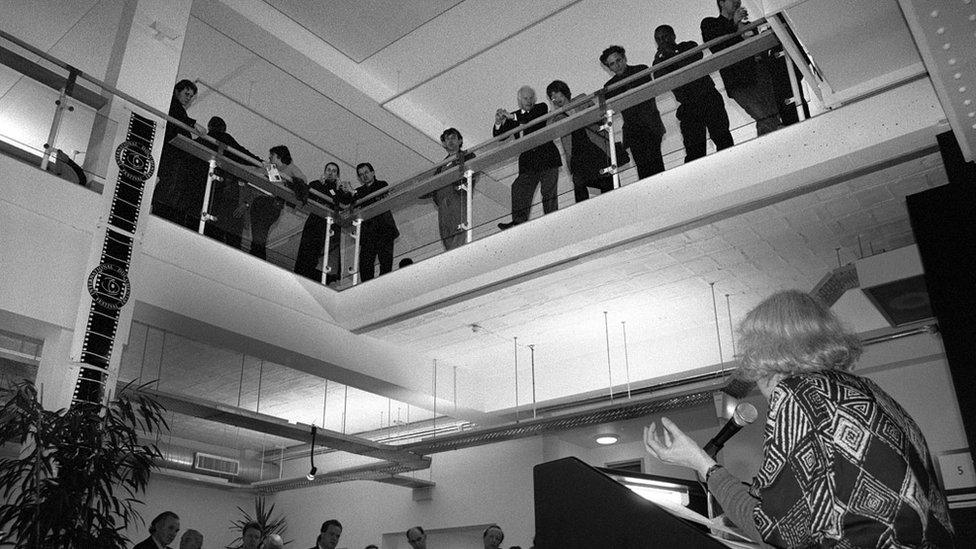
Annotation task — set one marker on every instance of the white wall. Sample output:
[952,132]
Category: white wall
[209,510]
[476,486]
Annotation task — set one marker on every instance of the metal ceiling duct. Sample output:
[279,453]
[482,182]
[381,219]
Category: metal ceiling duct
[181,458]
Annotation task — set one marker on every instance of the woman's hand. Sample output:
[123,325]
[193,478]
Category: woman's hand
[674,447]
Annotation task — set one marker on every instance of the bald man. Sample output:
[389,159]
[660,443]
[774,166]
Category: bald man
[273,541]
[492,537]
[535,166]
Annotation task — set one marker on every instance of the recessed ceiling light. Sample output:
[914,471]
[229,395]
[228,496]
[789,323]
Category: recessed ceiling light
[607,439]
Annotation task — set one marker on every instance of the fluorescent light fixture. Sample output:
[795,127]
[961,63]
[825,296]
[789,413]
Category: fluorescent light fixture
[607,439]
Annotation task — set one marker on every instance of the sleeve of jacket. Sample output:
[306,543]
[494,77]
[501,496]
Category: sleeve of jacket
[506,126]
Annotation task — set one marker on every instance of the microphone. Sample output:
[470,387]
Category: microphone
[743,415]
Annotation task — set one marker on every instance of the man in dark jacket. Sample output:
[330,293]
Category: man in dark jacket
[378,232]
[177,168]
[162,531]
[312,244]
[700,106]
[538,166]
[228,204]
[747,82]
[643,129]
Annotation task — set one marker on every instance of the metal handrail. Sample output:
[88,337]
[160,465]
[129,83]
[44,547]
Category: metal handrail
[112,90]
[417,185]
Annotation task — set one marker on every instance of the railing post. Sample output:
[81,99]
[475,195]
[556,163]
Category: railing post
[328,240]
[818,86]
[794,85]
[357,235]
[468,188]
[61,105]
[611,139]
[207,196]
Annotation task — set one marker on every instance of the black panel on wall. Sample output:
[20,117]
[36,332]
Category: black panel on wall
[944,222]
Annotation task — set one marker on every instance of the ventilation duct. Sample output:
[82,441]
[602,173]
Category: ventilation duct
[186,460]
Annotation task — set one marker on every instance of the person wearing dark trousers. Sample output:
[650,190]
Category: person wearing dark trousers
[178,170]
[747,81]
[643,129]
[312,244]
[230,200]
[379,232]
[451,202]
[586,149]
[536,167]
[265,209]
[700,107]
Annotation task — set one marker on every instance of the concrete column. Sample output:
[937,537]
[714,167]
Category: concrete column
[144,64]
[125,144]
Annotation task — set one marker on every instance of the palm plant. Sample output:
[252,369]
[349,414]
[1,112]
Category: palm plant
[77,481]
[263,517]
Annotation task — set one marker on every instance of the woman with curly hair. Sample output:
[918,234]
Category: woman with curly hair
[843,463]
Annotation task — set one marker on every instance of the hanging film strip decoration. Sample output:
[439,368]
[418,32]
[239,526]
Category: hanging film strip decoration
[108,283]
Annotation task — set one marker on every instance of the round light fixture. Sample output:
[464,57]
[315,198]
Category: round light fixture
[607,440]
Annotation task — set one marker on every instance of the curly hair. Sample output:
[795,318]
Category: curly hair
[792,332]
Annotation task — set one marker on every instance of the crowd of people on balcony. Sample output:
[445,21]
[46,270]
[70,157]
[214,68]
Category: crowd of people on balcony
[759,84]
[166,526]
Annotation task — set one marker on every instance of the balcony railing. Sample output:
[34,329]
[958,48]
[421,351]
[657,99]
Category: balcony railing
[80,122]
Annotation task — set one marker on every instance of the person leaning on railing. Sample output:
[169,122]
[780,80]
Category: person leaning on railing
[538,167]
[229,200]
[587,149]
[312,244]
[451,202]
[747,81]
[173,195]
[266,209]
[843,464]
[379,232]
[700,106]
[643,128]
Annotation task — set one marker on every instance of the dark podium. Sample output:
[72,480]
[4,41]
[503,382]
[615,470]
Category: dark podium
[577,506]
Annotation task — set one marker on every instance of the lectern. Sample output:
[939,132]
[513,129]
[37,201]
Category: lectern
[577,506]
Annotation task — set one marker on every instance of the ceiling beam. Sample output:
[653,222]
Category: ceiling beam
[275,426]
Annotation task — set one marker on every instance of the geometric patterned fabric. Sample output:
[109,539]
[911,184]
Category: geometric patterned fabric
[845,466]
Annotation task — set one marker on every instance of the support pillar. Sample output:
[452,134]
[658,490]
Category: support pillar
[82,364]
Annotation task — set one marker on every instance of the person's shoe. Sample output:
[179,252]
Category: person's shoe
[508,225]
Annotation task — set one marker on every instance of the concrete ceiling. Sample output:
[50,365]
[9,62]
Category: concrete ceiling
[662,291]
[360,28]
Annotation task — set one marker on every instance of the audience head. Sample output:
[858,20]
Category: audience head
[165,527]
[526,97]
[184,92]
[615,59]
[417,538]
[451,140]
[251,534]
[216,125]
[191,539]
[664,36]
[559,94]
[371,546]
[366,173]
[405,262]
[331,171]
[273,541]
[728,6]
[493,536]
[281,153]
[793,332]
[329,534]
